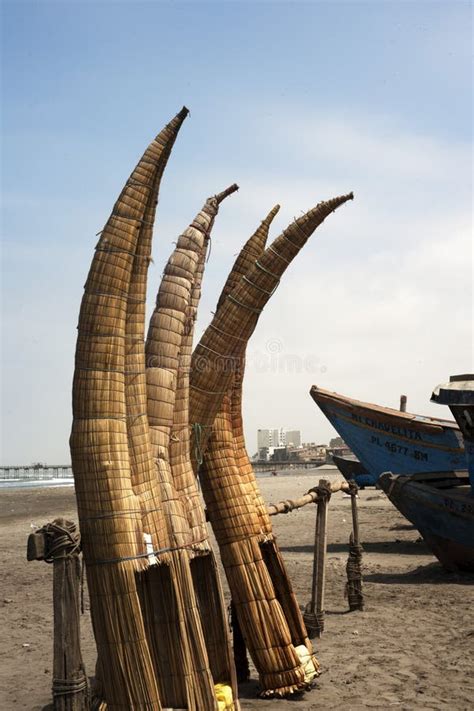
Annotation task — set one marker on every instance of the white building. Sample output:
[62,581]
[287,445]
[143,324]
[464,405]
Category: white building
[268,440]
[292,438]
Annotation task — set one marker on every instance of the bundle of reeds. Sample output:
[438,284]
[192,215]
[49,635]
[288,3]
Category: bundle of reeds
[234,323]
[203,564]
[172,622]
[267,610]
[137,603]
[251,251]
[165,341]
[110,511]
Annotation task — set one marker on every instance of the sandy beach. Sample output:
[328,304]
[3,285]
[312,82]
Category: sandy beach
[412,647]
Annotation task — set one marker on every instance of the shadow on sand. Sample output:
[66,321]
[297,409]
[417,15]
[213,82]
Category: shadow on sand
[398,547]
[433,573]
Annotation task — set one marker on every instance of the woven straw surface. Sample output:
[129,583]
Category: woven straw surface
[250,252]
[206,641]
[163,348]
[169,606]
[267,609]
[217,354]
[203,565]
[109,509]
[236,526]
[180,454]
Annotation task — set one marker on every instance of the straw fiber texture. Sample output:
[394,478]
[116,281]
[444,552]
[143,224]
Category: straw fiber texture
[163,348]
[203,565]
[236,527]
[180,453]
[163,358]
[217,354]
[250,252]
[109,509]
[171,616]
[266,607]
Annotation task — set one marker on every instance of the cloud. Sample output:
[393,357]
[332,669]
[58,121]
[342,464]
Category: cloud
[376,305]
[379,302]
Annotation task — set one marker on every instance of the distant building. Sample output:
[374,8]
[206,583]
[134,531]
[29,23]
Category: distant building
[311,452]
[339,447]
[276,438]
[292,438]
[279,454]
[268,438]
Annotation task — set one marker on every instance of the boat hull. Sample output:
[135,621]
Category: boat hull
[352,470]
[384,439]
[444,517]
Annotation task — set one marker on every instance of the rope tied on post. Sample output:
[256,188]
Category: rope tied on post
[323,491]
[62,540]
[354,576]
[59,543]
[354,593]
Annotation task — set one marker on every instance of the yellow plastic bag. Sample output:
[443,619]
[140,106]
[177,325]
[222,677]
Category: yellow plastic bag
[307,663]
[225,699]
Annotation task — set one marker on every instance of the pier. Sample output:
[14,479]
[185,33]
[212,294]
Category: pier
[35,472]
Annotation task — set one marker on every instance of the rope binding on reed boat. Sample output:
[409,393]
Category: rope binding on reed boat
[197,429]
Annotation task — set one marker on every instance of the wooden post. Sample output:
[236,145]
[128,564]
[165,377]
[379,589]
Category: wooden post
[403,403]
[354,562]
[59,543]
[314,613]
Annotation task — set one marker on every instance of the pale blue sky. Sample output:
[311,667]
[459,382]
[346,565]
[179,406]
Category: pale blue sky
[297,102]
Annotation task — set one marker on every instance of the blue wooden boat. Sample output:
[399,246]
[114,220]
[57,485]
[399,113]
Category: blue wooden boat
[384,439]
[441,505]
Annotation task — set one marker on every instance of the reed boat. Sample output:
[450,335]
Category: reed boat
[384,439]
[441,504]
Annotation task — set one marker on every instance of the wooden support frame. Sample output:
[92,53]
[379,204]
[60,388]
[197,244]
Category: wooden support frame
[59,543]
[355,596]
[314,613]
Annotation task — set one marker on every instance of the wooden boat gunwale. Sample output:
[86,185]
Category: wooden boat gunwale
[422,422]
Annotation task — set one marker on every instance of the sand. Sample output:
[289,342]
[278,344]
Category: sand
[412,647]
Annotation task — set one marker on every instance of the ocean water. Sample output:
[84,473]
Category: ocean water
[34,483]
[68,481]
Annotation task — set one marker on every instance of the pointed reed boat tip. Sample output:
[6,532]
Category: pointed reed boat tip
[180,116]
[341,199]
[344,198]
[225,193]
[334,203]
[267,221]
